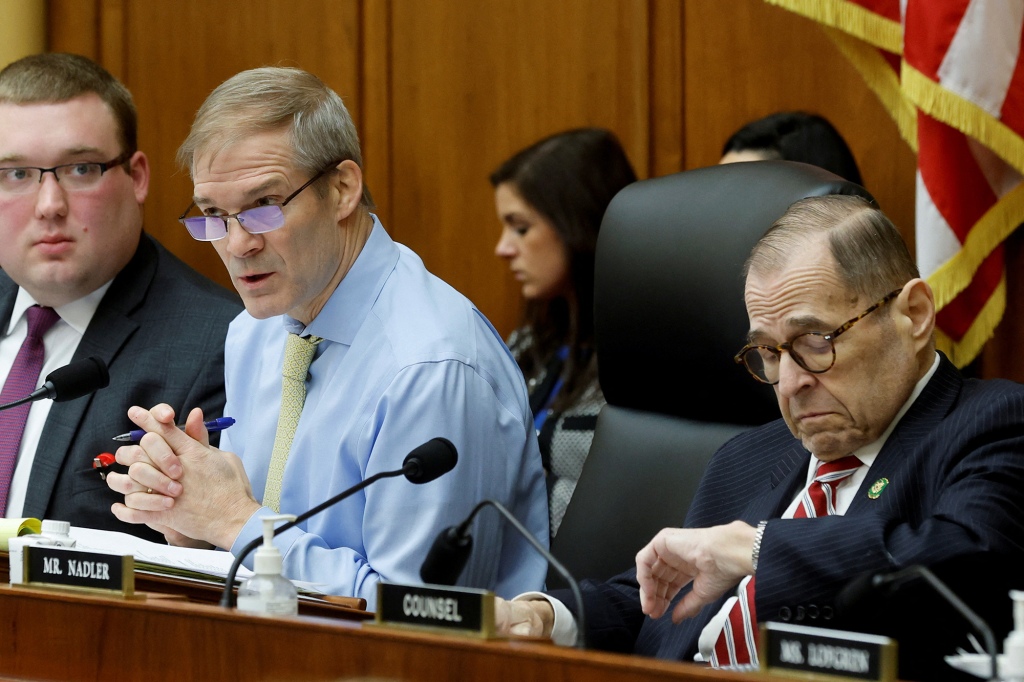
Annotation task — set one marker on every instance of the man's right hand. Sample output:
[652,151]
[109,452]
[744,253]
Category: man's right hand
[714,559]
[524,618]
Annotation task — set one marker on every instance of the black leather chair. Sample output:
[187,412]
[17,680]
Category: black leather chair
[669,317]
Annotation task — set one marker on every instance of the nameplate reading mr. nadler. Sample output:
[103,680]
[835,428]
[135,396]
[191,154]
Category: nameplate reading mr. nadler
[79,570]
[824,654]
[453,609]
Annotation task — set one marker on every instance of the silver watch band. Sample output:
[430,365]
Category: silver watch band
[755,553]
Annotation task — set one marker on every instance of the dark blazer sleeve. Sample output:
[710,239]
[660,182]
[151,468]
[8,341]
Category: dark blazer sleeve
[160,328]
[613,612]
[748,477]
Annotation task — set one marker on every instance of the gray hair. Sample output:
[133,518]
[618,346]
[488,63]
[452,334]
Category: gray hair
[868,249]
[271,98]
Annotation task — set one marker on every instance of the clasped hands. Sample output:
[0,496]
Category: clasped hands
[177,484]
[714,559]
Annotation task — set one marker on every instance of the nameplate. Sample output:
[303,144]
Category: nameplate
[824,654]
[68,568]
[456,610]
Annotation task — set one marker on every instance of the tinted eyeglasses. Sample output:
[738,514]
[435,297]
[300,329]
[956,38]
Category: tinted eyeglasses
[256,220]
[814,351]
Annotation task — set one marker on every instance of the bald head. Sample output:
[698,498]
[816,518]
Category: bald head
[869,253]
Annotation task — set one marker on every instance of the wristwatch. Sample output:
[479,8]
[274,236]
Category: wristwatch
[755,553]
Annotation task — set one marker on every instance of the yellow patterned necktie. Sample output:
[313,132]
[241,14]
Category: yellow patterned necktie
[298,354]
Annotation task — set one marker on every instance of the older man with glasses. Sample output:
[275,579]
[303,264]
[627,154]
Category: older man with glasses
[79,279]
[377,356]
[885,458]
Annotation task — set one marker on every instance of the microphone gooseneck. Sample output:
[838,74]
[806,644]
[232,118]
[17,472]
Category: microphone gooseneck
[77,379]
[425,463]
[450,551]
[871,584]
[894,580]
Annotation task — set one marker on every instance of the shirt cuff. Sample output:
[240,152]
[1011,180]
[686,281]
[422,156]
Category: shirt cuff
[563,630]
[252,529]
[709,635]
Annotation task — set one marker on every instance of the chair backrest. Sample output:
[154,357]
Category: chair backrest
[669,317]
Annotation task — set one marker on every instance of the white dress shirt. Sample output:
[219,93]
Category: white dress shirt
[59,343]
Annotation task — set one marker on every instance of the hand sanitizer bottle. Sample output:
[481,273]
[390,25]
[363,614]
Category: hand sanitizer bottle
[1012,667]
[54,534]
[268,591]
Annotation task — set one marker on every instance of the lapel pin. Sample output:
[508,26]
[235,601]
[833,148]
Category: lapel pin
[875,491]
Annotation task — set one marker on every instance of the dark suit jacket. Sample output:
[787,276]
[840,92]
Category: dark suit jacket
[160,328]
[955,466]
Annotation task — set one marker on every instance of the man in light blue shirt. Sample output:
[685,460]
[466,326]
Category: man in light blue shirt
[403,358]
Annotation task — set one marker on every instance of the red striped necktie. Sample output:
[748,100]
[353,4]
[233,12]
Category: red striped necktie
[22,380]
[737,644]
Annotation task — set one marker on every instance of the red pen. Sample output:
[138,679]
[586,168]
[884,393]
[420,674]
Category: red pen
[101,462]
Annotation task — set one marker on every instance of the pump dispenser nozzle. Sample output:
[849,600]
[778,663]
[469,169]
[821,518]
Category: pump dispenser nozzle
[268,559]
[268,591]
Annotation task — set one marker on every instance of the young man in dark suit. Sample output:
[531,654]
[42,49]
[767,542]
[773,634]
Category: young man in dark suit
[842,326]
[72,185]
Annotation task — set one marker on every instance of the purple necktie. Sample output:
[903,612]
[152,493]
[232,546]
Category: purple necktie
[22,380]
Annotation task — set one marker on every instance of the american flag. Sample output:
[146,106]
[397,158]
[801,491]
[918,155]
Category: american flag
[950,73]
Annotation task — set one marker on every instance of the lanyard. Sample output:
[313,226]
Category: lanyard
[542,414]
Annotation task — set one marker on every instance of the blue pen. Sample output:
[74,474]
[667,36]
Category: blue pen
[218,424]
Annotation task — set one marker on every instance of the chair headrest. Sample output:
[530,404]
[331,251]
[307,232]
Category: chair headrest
[669,311]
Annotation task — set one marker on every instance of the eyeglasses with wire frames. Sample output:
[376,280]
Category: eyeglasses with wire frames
[73,177]
[256,220]
[814,351]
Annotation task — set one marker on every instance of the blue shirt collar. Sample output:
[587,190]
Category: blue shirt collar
[344,312]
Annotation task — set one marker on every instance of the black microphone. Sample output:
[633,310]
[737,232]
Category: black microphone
[75,380]
[883,585]
[450,551]
[425,463]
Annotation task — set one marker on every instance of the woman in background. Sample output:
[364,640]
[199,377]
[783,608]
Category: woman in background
[793,136]
[550,199]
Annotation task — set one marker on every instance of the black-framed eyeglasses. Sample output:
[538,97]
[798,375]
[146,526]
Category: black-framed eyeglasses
[814,351]
[73,177]
[257,220]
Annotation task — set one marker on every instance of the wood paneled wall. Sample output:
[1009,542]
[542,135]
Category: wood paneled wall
[444,90]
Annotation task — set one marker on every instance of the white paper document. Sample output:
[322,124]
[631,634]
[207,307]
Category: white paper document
[177,560]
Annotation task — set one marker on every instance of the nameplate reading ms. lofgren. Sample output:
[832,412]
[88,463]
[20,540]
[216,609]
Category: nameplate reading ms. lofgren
[452,609]
[823,654]
[75,569]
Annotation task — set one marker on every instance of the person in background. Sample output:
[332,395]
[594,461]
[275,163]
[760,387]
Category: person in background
[349,355]
[793,136]
[75,257]
[550,199]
